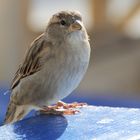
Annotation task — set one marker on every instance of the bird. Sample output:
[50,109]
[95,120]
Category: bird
[52,68]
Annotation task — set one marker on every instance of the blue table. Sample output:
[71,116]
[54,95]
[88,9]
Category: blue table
[93,123]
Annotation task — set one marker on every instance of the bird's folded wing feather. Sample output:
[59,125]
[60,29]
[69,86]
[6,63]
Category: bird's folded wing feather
[35,57]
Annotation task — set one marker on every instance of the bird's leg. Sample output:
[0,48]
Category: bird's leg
[62,108]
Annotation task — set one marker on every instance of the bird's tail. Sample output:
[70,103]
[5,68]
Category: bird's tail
[15,112]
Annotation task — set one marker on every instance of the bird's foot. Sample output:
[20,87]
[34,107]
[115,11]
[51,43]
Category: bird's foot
[62,108]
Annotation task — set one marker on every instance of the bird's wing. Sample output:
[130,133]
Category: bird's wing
[35,58]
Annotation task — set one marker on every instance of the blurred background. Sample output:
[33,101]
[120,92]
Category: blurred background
[113,76]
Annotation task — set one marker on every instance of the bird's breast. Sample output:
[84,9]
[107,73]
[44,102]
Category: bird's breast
[66,69]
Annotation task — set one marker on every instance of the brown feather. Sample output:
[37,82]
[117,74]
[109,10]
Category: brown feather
[33,60]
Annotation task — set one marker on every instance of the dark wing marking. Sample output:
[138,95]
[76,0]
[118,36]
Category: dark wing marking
[33,60]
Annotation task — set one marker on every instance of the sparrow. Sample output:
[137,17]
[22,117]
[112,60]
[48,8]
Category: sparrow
[52,68]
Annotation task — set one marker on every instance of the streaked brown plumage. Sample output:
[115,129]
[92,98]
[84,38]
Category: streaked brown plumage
[53,66]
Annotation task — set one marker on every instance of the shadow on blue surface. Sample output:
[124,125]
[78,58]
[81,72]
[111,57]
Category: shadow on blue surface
[44,126]
[53,125]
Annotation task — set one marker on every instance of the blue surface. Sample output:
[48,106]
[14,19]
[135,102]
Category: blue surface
[93,123]
[100,123]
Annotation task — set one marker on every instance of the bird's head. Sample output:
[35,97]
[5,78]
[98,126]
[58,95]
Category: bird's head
[63,23]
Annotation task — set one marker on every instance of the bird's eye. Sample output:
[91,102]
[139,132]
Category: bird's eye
[62,22]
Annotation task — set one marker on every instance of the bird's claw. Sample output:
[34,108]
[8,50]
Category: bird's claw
[62,108]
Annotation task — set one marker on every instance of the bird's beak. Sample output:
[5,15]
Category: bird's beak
[77,25]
